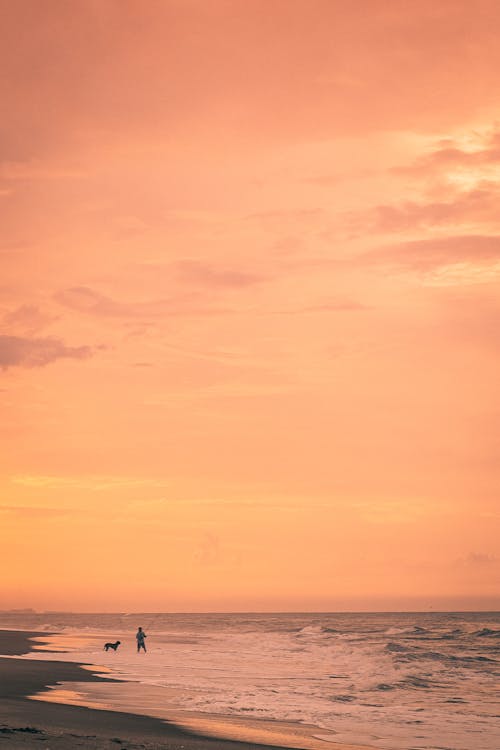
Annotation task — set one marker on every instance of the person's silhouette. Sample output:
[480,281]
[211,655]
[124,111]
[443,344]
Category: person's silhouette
[140,636]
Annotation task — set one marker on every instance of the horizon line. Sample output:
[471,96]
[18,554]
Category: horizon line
[30,611]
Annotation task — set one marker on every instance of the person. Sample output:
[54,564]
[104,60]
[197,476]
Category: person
[140,635]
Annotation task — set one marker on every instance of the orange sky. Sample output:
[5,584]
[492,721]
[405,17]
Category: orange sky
[249,304]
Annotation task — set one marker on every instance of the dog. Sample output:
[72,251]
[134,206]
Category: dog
[114,646]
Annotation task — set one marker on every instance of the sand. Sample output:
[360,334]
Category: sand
[26,723]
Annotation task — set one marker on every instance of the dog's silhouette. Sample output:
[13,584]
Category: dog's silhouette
[114,646]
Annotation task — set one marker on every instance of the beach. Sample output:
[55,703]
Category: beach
[26,723]
[387,681]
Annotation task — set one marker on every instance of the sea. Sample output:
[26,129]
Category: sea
[394,681]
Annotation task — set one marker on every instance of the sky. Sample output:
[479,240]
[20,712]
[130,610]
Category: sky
[249,305]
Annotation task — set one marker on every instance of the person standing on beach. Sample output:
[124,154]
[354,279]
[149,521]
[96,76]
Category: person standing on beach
[140,636]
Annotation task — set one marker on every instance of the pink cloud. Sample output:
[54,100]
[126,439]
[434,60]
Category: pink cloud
[333,306]
[16,351]
[448,154]
[212,276]
[426,255]
[85,300]
[479,206]
[27,318]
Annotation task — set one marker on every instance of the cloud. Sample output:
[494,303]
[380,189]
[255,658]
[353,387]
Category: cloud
[326,180]
[448,155]
[91,482]
[207,275]
[477,206]
[333,306]
[464,188]
[296,220]
[85,300]
[478,560]
[430,254]
[16,351]
[26,319]
[24,511]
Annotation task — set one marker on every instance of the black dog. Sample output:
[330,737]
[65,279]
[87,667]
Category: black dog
[114,646]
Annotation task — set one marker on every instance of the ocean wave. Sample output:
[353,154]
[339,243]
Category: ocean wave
[412,653]
[343,698]
[410,682]
[428,655]
[487,633]
[407,654]
[450,636]
[316,630]
[413,681]
[410,630]
[397,648]
[53,627]
[384,686]
[472,659]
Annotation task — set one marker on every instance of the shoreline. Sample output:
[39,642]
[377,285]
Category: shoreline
[25,722]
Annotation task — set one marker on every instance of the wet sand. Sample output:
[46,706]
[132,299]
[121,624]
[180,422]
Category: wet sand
[26,723]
